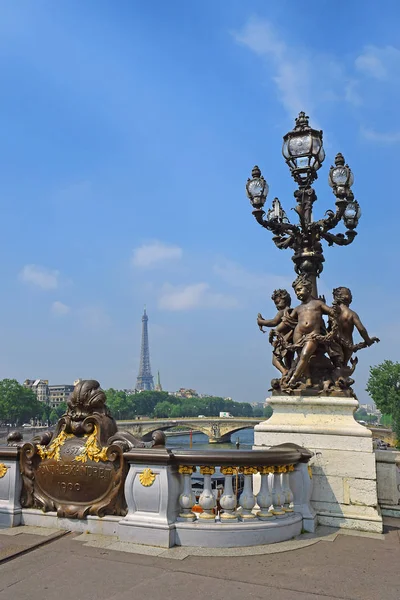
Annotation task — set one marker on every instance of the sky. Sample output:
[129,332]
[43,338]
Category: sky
[127,132]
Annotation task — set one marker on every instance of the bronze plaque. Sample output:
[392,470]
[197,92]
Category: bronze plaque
[70,480]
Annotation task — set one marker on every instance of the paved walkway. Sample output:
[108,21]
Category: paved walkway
[331,565]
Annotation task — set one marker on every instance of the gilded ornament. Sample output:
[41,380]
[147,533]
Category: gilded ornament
[248,470]
[207,470]
[265,470]
[309,471]
[3,470]
[147,477]
[228,470]
[290,468]
[53,451]
[186,469]
[91,450]
[280,469]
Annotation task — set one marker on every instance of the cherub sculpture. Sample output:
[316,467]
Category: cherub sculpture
[308,328]
[281,358]
[342,347]
[323,353]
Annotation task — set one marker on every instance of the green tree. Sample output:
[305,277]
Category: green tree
[61,409]
[384,388]
[268,411]
[163,409]
[258,411]
[120,404]
[17,403]
[53,416]
[361,414]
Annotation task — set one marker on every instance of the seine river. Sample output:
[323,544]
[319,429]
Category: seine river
[200,441]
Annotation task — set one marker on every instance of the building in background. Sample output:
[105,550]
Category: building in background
[185,393]
[158,387]
[40,387]
[59,393]
[145,378]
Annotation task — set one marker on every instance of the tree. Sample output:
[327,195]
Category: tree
[384,388]
[61,409]
[17,403]
[163,409]
[258,411]
[120,404]
[268,411]
[361,414]
[53,417]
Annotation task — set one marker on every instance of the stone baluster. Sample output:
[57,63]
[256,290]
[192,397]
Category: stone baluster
[228,499]
[287,492]
[247,500]
[277,495]
[264,498]
[207,499]
[187,499]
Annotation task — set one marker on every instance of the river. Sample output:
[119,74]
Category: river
[200,441]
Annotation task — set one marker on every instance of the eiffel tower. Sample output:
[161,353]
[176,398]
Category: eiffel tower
[145,378]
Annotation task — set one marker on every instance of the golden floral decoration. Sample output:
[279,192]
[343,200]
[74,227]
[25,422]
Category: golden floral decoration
[248,470]
[147,477]
[91,450]
[290,468]
[207,470]
[186,469]
[265,470]
[3,470]
[228,470]
[280,469]
[53,451]
[309,471]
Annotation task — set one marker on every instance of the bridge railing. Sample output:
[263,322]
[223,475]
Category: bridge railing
[221,498]
[182,497]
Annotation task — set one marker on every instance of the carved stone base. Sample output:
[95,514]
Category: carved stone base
[343,467]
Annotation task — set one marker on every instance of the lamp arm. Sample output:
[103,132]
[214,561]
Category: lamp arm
[339,239]
[332,218]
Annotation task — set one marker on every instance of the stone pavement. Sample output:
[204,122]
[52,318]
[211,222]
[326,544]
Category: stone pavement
[331,565]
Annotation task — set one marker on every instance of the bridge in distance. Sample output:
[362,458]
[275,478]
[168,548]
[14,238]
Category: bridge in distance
[217,429]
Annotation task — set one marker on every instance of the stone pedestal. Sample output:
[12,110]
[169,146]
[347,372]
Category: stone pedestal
[10,488]
[152,493]
[343,467]
[388,476]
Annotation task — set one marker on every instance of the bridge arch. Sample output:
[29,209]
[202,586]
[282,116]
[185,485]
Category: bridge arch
[217,430]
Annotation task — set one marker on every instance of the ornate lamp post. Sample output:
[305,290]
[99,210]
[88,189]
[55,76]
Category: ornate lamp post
[313,358]
[304,154]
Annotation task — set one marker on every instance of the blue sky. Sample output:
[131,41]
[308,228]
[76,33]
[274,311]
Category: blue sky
[128,130]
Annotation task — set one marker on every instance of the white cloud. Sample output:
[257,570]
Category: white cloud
[391,137]
[302,79]
[196,295]
[379,63]
[59,308]
[41,277]
[237,276]
[155,253]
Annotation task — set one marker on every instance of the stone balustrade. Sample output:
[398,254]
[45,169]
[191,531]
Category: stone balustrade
[272,504]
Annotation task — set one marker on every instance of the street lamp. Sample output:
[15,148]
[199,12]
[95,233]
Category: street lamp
[304,154]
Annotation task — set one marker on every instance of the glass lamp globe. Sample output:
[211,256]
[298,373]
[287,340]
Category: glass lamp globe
[303,151]
[352,214]
[340,176]
[257,188]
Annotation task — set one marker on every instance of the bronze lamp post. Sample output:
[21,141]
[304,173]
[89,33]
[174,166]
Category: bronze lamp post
[304,154]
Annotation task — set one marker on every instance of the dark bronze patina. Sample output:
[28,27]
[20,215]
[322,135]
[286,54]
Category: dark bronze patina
[79,469]
[312,356]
